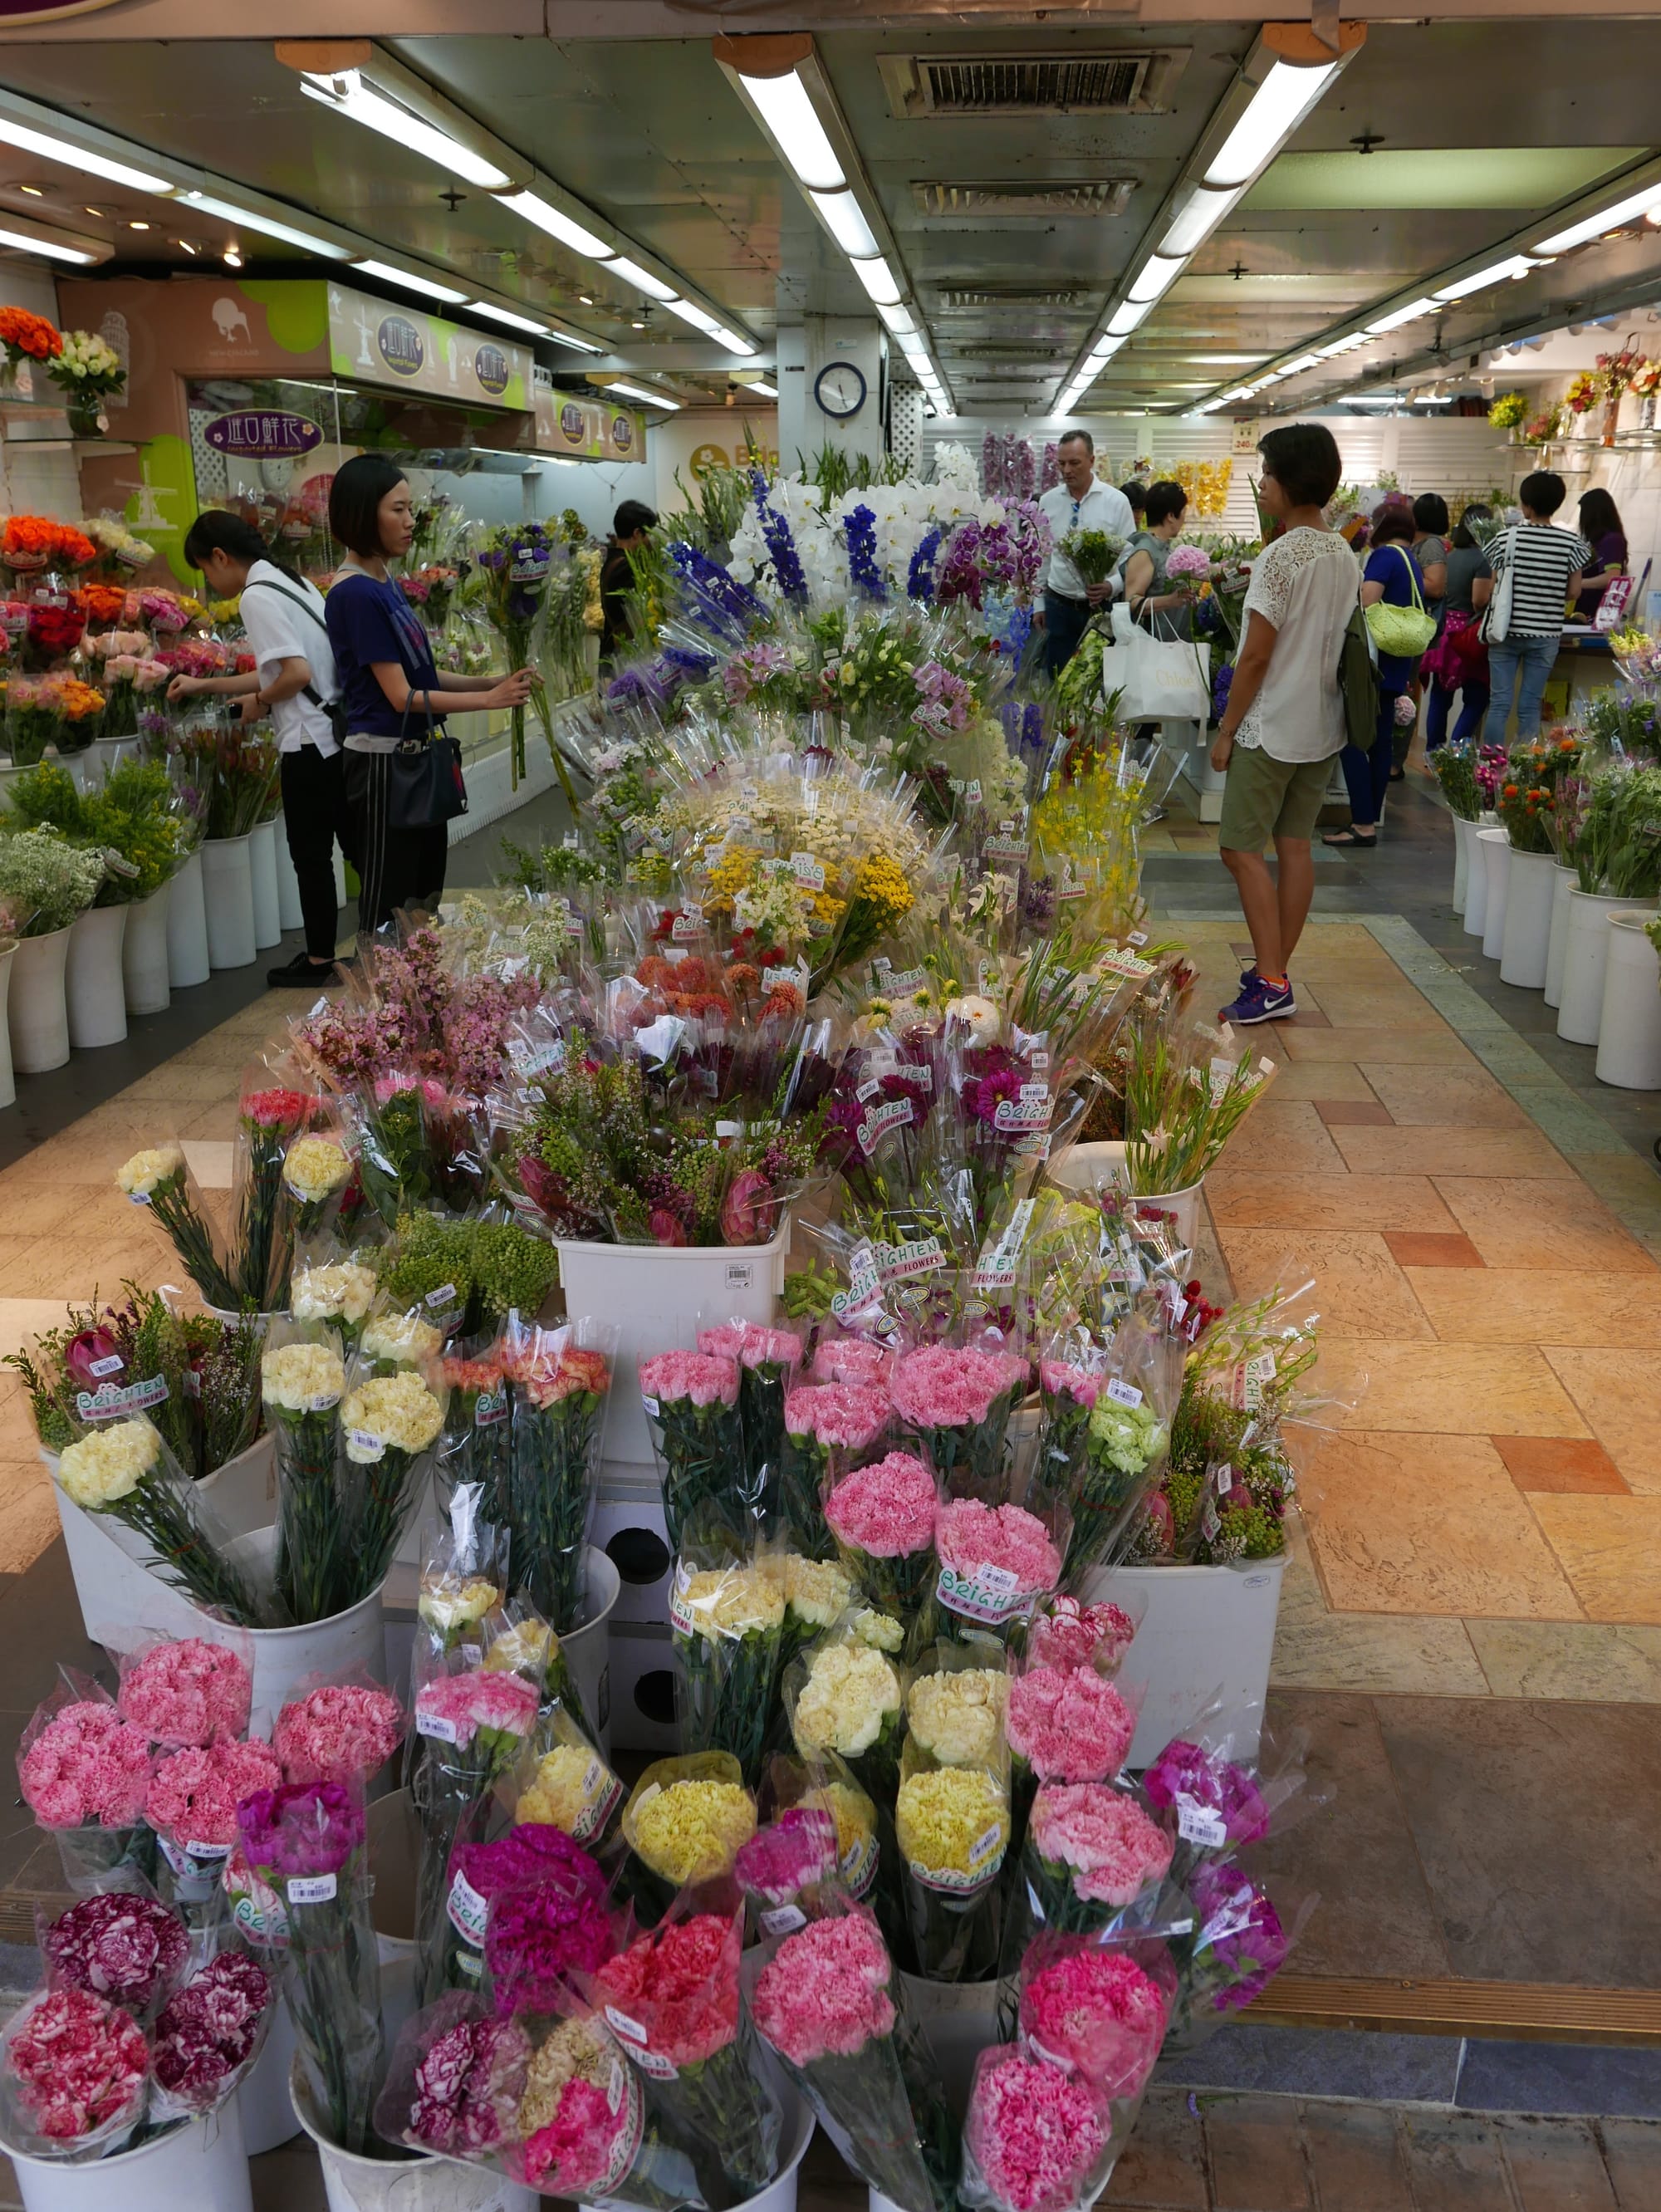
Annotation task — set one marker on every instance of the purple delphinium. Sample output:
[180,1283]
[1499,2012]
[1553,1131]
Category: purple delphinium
[920,577]
[860,531]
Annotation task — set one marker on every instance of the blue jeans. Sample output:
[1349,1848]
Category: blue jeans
[1366,775]
[1064,623]
[1473,705]
[1527,659]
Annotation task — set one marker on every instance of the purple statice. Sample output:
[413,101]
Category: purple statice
[945,702]
[919,577]
[787,572]
[860,529]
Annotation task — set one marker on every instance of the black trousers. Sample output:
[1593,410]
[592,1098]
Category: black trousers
[396,867]
[313,815]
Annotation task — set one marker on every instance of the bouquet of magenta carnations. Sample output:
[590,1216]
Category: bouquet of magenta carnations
[832,2009]
[184,1692]
[531,1905]
[769,1360]
[1216,1803]
[124,1469]
[825,1784]
[191,1804]
[84,1772]
[390,1428]
[691,1399]
[957,1402]
[997,1564]
[124,1945]
[1239,1940]
[725,1621]
[161,1178]
[830,1428]
[1064,1725]
[306,1842]
[341,1732]
[670,1996]
[269,1116]
[477,1453]
[788,1869]
[561,1387]
[301,1385]
[74,2077]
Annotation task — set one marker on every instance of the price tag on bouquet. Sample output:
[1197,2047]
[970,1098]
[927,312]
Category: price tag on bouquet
[1201,1824]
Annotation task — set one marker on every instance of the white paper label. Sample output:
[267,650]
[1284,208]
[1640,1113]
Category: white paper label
[1137,937]
[1124,1394]
[322,1401]
[620,2024]
[1199,1823]
[985,1845]
[782,1920]
[435,1725]
[311,1889]
[468,1911]
[111,1365]
[443,1296]
[650,1404]
[367,1447]
[808,873]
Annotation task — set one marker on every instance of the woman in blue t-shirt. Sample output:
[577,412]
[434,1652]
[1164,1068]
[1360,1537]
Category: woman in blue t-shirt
[390,686]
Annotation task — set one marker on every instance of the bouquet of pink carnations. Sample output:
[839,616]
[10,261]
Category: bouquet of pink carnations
[957,1401]
[1064,1725]
[1090,1852]
[73,2076]
[124,1945]
[1064,1632]
[997,1563]
[769,1360]
[830,1428]
[562,1388]
[184,1692]
[882,1517]
[191,1804]
[341,1732]
[84,1774]
[691,1400]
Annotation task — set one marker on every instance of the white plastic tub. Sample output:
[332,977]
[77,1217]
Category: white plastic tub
[268,2111]
[411,2182]
[1563,881]
[1531,886]
[1104,1161]
[187,927]
[1629,1035]
[794,2136]
[1206,1631]
[7,1082]
[95,997]
[200,2167]
[1463,832]
[653,1296]
[144,954]
[1580,1014]
[227,892]
[263,877]
[37,1013]
[1495,847]
[1475,913]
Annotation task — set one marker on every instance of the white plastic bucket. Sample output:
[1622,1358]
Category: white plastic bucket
[263,874]
[8,1083]
[1476,916]
[94,995]
[1629,1037]
[1563,881]
[1580,1013]
[268,2111]
[794,2136]
[187,927]
[1530,884]
[654,1295]
[227,891]
[587,1649]
[144,954]
[1206,1631]
[411,2182]
[290,913]
[201,2165]
[1104,1160]
[37,1013]
[1462,831]
[394,1865]
[959,2019]
[1495,847]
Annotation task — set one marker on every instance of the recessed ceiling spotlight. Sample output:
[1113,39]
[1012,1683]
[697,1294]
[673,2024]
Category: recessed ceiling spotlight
[98,212]
[191,250]
[233,258]
[34,191]
[585,299]
[138,226]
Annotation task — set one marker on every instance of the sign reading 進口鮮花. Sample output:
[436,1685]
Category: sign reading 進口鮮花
[372,341]
[262,434]
[584,430]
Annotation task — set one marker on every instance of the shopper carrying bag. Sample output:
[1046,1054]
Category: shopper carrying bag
[1160,679]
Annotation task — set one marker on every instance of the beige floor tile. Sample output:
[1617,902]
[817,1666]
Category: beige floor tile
[1539,1305]
[1464,1097]
[1593,1661]
[1361,1291]
[1428,1525]
[22,1319]
[1454,1151]
[1455,1390]
[28,1518]
[1244,1198]
[1284,1138]
[179,1083]
[1370,1654]
[1353,1002]
[1610,1550]
[1531,1222]
[1362,1040]
[1619,1393]
[1321,1078]
[30,1205]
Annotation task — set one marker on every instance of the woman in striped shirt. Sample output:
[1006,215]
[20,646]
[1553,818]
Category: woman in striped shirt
[1545,566]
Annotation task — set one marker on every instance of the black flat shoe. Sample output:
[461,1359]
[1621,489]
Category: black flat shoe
[303,973]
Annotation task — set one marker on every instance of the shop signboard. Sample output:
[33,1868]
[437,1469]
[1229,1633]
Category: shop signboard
[586,429]
[373,342]
[262,434]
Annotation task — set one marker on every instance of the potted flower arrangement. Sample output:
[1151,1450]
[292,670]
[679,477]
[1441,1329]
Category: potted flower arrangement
[52,882]
[1507,412]
[26,338]
[85,368]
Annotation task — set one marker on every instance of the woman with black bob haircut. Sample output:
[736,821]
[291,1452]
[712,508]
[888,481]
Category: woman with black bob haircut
[391,689]
[293,681]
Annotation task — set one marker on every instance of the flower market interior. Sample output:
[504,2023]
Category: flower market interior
[830,1102]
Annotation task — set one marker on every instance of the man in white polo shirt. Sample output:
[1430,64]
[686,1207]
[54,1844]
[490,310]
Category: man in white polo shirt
[1080,501]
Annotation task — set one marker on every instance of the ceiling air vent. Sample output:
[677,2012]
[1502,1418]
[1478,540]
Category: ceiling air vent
[959,296]
[1133,82]
[1033,202]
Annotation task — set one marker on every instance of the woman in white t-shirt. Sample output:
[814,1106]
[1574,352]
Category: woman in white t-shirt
[292,682]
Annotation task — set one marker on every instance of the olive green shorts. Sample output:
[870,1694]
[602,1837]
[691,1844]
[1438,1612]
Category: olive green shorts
[1264,797]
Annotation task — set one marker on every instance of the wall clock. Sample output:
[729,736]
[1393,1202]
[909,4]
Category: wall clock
[840,389]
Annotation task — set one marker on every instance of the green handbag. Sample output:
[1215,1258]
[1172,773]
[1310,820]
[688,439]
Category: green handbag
[1402,632]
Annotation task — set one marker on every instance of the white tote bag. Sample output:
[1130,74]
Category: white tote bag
[1496,618]
[1159,679]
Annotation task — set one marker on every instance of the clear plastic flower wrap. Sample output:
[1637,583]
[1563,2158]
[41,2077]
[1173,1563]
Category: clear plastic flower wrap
[830,1428]
[160,1177]
[1036,2137]
[1098,2007]
[769,1360]
[691,1400]
[560,1780]
[84,1772]
[463,1573]
[1064,1723]
[1185,1093]
[561,1382]
[528,1905]
[1126,1437]
[845,1696]
[210,2035]
[272,1111]
[816,1593]
[476,1454]
[685,1821]
[1089,1854]
[1233,1937]
[74,2077]
[317,1170]
[389,1426]
[726,1614]
[1226,1782]
[952,1829]
[957,1401]
[302,1382]
[825,1784]
[335,1285]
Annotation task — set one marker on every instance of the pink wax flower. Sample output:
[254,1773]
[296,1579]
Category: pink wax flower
[340,1733]
[1098,2012]
[753,1344]
[781,1859]
[195,1794]
[479,1698]
[680,1983]
[1111,1846]
[971,1537]
[936,1387]
[126,1947]
[187,1693]
[852,1359]
[1067,1634]
[1034,2131]
[853,1415]
[886,1509]
[87,1766]
[826,1992]
[1057,1379]
[207,2029]
[1185,1773]
[79,2064]
[1069,1727]
[698,1378]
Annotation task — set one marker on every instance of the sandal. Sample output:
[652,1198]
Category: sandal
[1347,841]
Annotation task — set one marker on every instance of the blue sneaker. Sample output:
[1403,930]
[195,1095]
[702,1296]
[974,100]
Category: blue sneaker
[1258,1003]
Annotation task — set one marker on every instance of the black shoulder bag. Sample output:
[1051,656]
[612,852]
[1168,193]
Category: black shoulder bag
[427,789]
[334,709]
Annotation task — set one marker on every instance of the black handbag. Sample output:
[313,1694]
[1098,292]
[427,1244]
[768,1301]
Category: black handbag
[426,788]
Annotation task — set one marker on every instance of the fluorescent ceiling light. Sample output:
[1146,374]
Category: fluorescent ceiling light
[899,320]
[1104,349]
[1305,360]
[48,246]
[1125,320]
[1241,391]
[1372,399]
[246,219]
[845,220]
[630,272]
[1199,218]
[348,94]
[1609,218]
[1433,399]
[1341,345]
[759,385]
[546,217]
[695,316]
[878,280]
[425,285]
[1277,375]
[513,322]
[639,391]
[1278,105]
[1498,273]
[732,341]
[1157,274]
[582,345]
[1225,359]
[77,157]
[1400,315]
[782,105]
